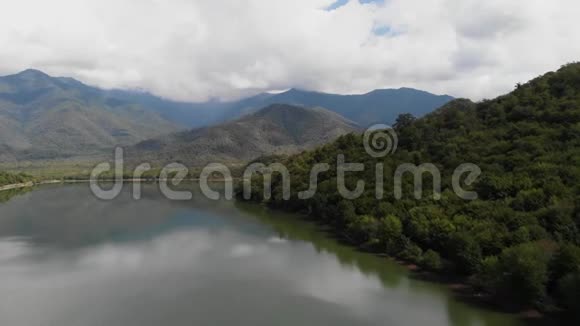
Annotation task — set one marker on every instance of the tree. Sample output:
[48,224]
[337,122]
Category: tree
[529,200]
[524,273]
[9,178]
[521,235]
[362,229]
[565,261]
[389,233]
[441,230]
[411,251]
[347,210]
[489,276]
[431,261]
[466,252]
[404,120]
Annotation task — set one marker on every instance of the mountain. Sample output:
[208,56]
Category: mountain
[378,106]
[47,117]
[276,129]
[44,117]
[188,114]
[518,239]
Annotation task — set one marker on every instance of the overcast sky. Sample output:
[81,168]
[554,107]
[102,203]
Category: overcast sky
[200,49]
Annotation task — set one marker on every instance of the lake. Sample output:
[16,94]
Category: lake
[69,259]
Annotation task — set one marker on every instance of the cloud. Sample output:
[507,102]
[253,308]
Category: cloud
[197,50]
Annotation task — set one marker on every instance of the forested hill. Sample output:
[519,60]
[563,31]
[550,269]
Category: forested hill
[519,240]
[277,129]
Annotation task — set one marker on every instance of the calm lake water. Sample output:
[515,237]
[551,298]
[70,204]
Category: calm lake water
[68,259]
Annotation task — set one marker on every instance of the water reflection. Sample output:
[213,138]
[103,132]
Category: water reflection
[69,259]
[6,195]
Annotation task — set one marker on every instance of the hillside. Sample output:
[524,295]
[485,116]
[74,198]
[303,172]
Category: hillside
[519,240]
[277,129]
[44,117]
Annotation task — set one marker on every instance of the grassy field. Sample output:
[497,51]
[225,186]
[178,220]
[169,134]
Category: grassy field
[53,169]
[80,168]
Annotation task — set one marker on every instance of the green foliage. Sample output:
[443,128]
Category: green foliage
[523,273]
[9,178]
[521,235]
[466,252]
[565,261]
[529,200]
[362,229]
[389,232]
[412,253]
[527,145]
[431,261]
[489,275]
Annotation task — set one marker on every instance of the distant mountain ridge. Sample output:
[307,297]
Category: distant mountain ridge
[276,129]
[44,117]
[378,106]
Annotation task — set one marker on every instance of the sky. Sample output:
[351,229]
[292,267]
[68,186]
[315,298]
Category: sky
[195,50]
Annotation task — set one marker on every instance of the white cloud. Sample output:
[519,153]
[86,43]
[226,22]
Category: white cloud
[199,49]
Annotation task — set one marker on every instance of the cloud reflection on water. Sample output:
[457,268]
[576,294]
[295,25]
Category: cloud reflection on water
[154,263]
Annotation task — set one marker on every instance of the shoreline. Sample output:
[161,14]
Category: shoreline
[457,285]
[72,181]
[17,186]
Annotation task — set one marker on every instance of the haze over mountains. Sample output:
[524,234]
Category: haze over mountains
[44,117]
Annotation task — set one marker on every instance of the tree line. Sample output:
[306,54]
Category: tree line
[10,178]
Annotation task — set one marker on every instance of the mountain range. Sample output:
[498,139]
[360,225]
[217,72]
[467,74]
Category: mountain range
[379,106]
[45,117]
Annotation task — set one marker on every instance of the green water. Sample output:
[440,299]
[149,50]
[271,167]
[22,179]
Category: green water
[69,259]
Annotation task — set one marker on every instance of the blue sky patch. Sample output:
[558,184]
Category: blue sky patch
[385,30]
[339,3]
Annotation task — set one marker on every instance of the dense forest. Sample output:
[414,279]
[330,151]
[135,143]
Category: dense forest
[8,178]
[518,242]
